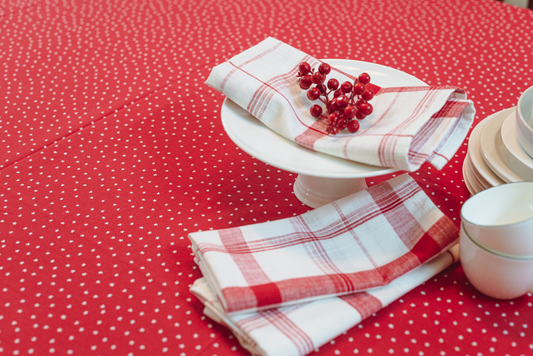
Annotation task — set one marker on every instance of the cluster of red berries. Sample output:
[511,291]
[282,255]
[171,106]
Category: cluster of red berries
[350,101]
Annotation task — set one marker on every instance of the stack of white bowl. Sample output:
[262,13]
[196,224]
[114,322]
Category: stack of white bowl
[500,148]
[496,240]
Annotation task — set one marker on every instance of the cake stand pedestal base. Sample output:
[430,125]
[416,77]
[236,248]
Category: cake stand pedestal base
[317,191]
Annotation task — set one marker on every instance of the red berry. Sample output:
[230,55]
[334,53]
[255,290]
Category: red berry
[313,94]
[364,78]
[353,126]
[341,123]
[304,68]
[358,104]
[318,78]
[333,117]
[337,93]
[359,89]
[316,111]
[346,87]
[342,101]
[368,94]
[332,129]
[305,82]
[324,68]
[366,108]
[322,88]
[333,105]
[349,112]
[359,115]
[333,84]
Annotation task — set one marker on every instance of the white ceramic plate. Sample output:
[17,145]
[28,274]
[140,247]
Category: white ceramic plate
[490,140]
[476,187]
[483,184]
[264,144]
[512,153]
[467,181]
[478,163]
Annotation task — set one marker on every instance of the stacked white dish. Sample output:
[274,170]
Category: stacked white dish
[496,240]
[500,148]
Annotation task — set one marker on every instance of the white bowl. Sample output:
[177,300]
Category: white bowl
[524,121]
[494,275]
[512,153]
[501,219]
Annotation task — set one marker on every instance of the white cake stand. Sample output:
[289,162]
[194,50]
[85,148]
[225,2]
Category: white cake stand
[321,178]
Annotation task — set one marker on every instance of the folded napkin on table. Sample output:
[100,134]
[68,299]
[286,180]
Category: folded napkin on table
[409,125]
[291,284]
[302,328]
[356,243]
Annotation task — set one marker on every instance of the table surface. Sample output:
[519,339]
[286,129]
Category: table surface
[112,151]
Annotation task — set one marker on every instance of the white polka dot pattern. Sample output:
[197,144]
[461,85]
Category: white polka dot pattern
[112,151]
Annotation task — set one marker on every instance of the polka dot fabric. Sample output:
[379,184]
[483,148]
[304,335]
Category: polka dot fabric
[112,151]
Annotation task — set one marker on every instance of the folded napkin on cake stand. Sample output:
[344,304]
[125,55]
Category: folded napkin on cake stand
[286,287]
[409,125]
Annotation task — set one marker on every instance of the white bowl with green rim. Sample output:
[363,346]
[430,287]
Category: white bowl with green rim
[501,219]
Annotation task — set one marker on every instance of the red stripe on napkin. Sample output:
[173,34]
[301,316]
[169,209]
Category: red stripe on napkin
[425,248]
[306,287]
[414,155]
[265,292]
[398,216]
[283,323]
[365,304]
[294,111]
[443,231]
[273,294]
[388,143]
[308,138]
[248,265]
[239,298]
[454,109]
[314,246]
[225,81]
[266,91]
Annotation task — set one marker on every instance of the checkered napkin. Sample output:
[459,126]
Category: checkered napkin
[409,125]
[357,243]
[302,328]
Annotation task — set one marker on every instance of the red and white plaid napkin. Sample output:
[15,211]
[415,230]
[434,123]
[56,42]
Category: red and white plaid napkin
[409,125]
[302,328]
[357,243]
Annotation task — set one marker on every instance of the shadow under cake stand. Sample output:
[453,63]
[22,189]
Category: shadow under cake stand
[321,178]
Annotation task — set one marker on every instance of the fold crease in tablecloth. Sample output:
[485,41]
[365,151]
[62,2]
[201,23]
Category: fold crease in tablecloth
[409,125]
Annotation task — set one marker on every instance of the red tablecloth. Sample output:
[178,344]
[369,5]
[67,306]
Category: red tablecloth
[112,151]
